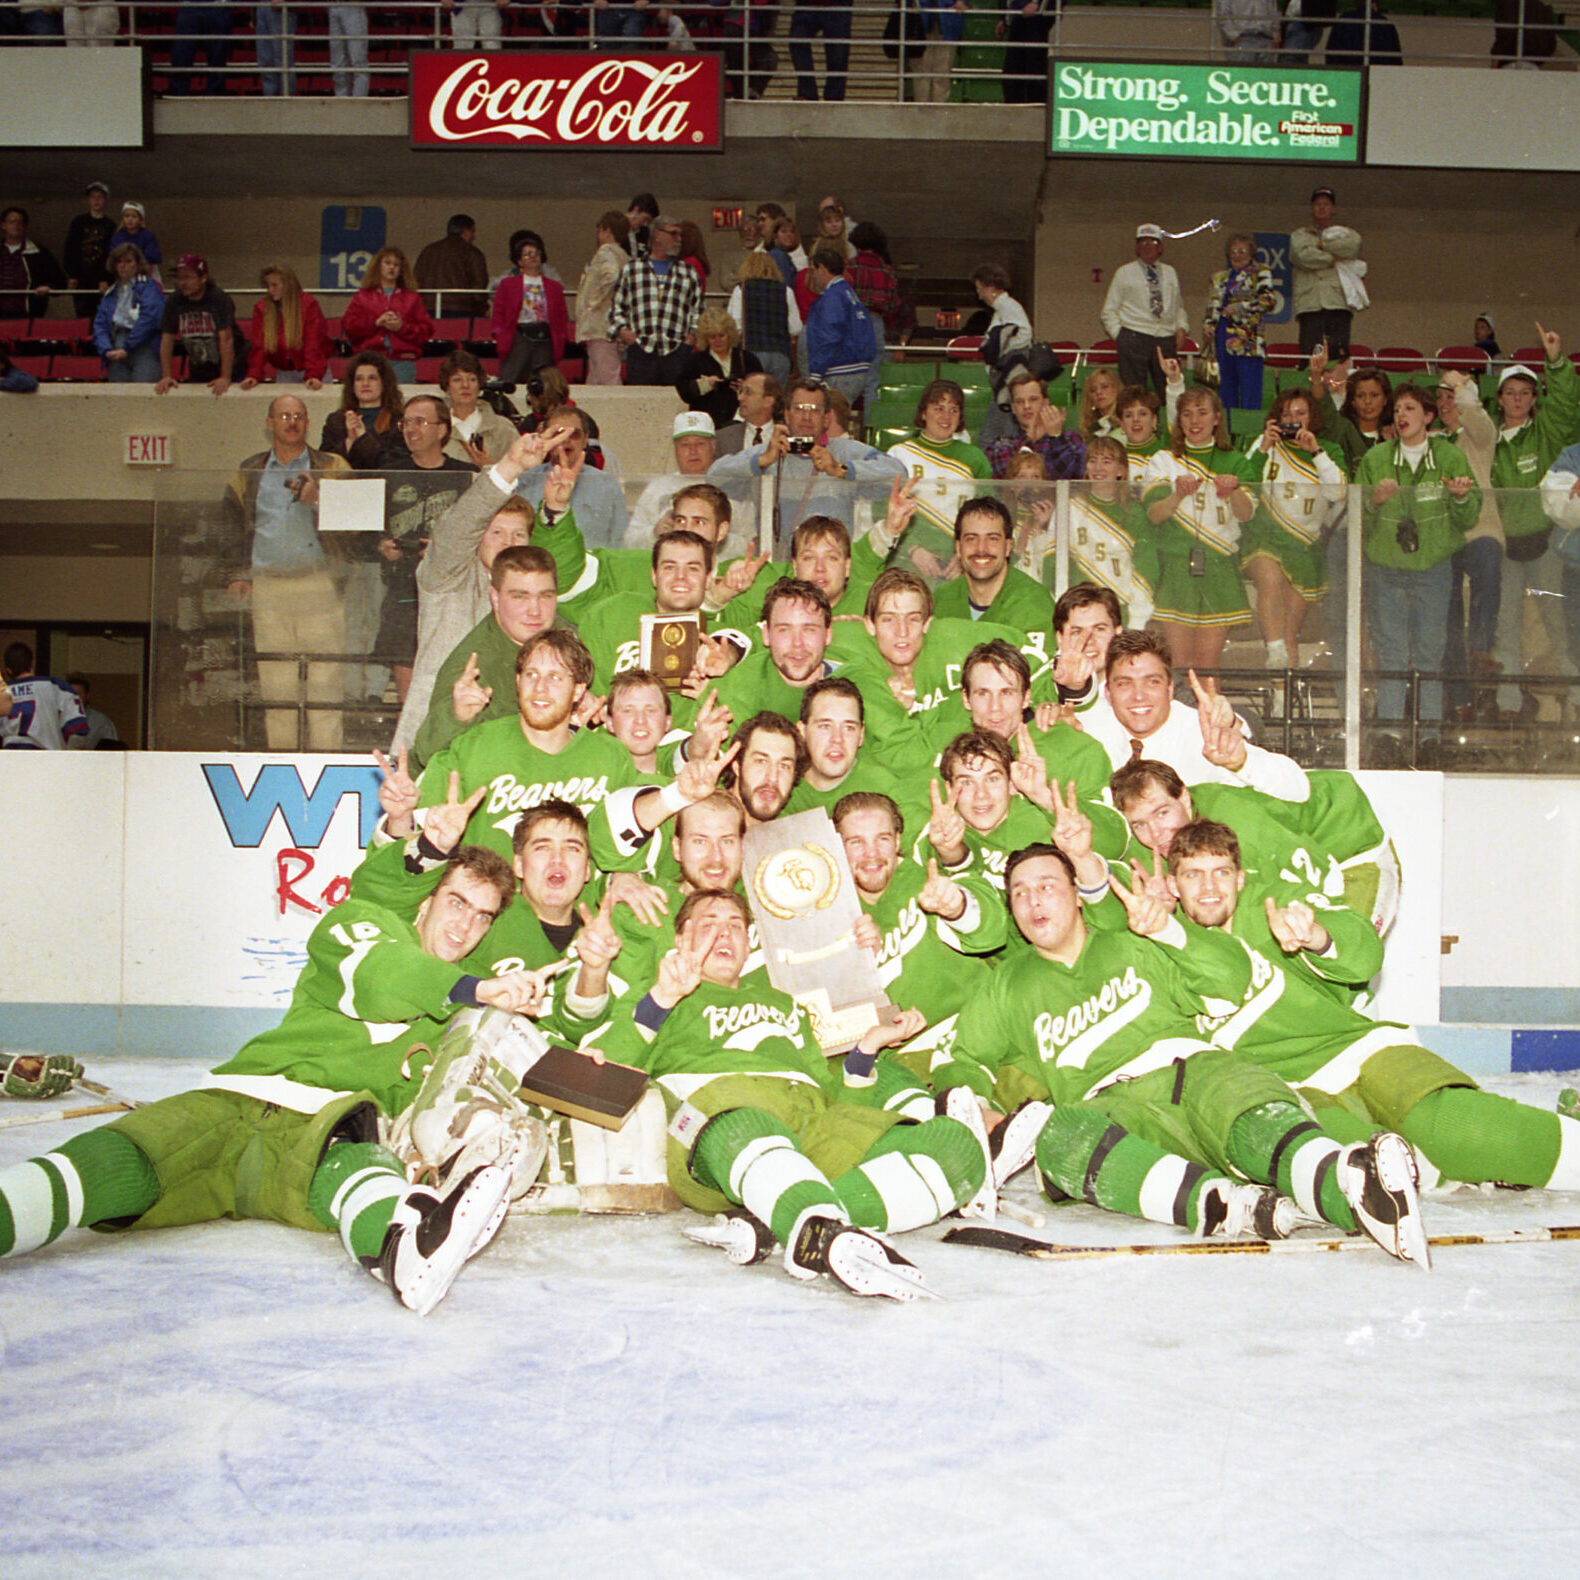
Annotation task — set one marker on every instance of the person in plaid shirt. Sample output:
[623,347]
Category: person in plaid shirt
[656,303]
[872,278]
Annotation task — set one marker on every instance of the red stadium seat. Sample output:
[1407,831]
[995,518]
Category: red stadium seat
[76,370]
[965,348]
[1533,357]
[453,329]
[1401,359]
[1104,353]
[428,369]
[1360,353]
[1462,359]
[1285,354]
[38,366]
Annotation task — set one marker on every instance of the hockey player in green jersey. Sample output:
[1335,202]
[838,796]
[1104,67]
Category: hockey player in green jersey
[288,1130]
[1148,1118]
[820,553]
[833,728]
[996,696]
[761,1119]
[1349,1068]
[537,755]
[931,934]
[476,682]
[989,587]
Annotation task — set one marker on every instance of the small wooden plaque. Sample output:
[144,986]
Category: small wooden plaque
[601,1094]
[669,646]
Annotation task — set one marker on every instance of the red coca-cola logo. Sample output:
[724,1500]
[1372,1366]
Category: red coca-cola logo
[510,100]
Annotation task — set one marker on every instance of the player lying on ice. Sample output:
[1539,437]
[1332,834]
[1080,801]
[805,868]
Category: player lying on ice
[296,1128]
[784,1143]
[1146,1117]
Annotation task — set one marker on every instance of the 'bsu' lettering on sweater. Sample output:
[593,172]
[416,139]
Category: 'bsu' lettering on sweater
[1063,1038]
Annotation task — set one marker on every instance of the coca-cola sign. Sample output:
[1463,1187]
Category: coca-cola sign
[542,100]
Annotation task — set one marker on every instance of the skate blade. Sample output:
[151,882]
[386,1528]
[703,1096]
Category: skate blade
[871,1273]
[474,1222]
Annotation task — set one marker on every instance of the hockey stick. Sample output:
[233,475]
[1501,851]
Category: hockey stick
[105,1092]
[1047,1251]
[10,1121]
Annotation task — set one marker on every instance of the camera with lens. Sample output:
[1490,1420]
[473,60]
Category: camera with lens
[1407,535]
[800,446]
[1288,430]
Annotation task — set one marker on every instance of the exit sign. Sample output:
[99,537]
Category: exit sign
[148,449]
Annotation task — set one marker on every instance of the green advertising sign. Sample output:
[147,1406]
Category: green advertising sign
[1144,111]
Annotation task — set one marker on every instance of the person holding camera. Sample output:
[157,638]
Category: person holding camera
[1420,500]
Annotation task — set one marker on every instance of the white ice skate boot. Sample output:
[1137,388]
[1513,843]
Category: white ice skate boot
[864,1262]
[434,1233]
[1379,1180]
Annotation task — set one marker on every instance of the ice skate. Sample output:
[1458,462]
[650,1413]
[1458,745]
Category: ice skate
[434,1234]
[862,1261]
[960,1104]
[1379,1178]
[1016,1140]
[1229,1211]
[743,1238]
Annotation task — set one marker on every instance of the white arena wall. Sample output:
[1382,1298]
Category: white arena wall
[160,903]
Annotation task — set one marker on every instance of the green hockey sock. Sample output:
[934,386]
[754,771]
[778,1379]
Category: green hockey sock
[1473,1136]
[355,1189]
[913,1176]
[92,1178]
[749,1156]
[1278,1145]
[1083,1153]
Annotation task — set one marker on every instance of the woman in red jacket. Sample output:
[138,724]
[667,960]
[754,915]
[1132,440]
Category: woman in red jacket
[531,325]
[289,341]
[387,315]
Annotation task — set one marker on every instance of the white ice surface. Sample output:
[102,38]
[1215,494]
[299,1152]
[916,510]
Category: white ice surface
[600,1397]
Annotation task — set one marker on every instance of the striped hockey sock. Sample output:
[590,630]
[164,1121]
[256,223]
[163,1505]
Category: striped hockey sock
[1084,1154]
[1278,1145]
[355,1190]
[913,1176]
[747,1155]
[92,1178]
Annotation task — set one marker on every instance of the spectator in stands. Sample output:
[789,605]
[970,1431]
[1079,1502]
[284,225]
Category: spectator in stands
[833,22]
[28,272]
[134,228]
[476,24]
[90,23]
[478,433]
[595,292]
[1305,21]
[1145,313]
[640,213]
[764,310]
[370,408]
[386,314]
[693,251]
[289,341]
[619,18]
[101,731]
[1039,428]
[710,381]
[41,713]
[200,27]
[840,342]
[872,277]
[1008,334]
[695,443]
[127,324]
[544,391]
[596,496]
[1320,256]
[1525,36]
[1368,405]
[348,50]
[280,561]
[785,248]
[39,20]
[1250,29]
[272,42]
[457,267]
[656,304]
[1238,299]
[1100,403]
[750,60]
[531,324]
[832,228]
[15,380]
[1025,36]
[200,320]
[1364,37]
[86,255]
[943,22]
[757,412]
[1485,334]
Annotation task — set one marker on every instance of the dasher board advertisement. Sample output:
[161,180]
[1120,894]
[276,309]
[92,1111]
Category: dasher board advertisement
[1136,110]
[527,99]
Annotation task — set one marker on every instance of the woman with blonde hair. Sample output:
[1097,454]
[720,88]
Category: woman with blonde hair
[595,292]
[387,316]
[710,381]
[1099,399]
[764,310]
[289,340]
[1194,492]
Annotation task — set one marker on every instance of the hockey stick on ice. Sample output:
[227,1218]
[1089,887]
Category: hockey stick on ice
[106,1093]
[10,1121]
[1047,1251]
